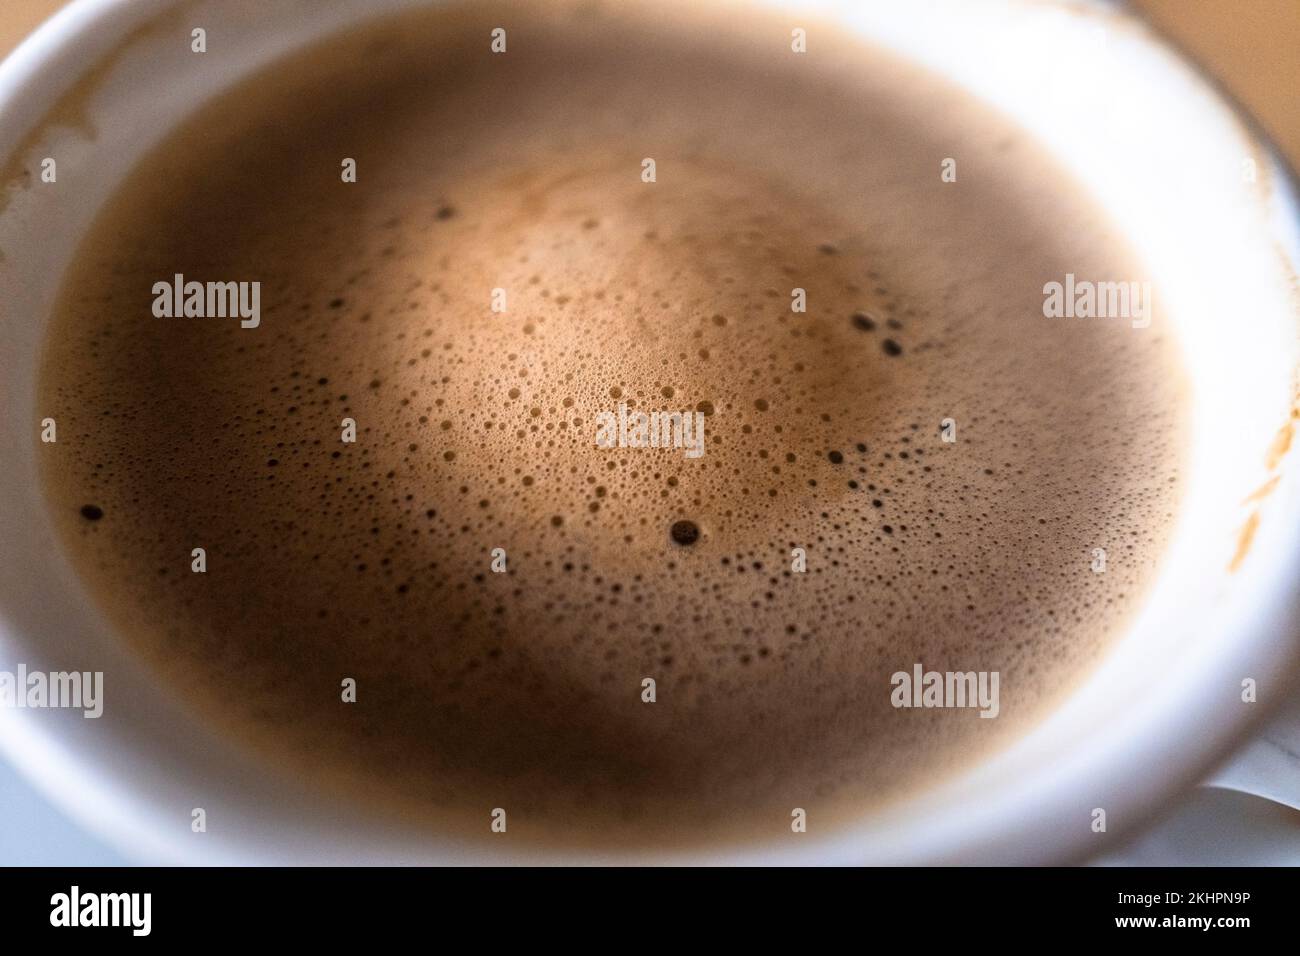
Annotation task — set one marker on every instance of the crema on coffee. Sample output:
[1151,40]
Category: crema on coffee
[374,534]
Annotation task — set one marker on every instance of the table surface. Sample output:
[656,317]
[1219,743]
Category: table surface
[1249,45]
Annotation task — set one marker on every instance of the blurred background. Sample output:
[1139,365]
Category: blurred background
[1252,47]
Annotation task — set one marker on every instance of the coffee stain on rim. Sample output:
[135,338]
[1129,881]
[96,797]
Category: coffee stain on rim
[72,109]
[1273,458]
[1282,443]
[1244,540]
[1263,491]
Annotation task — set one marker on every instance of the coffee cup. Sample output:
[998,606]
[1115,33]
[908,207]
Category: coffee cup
[1209,653]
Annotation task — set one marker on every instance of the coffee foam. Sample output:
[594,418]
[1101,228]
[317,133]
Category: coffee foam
[476,430]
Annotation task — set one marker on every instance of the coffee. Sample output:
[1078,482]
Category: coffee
[905,465]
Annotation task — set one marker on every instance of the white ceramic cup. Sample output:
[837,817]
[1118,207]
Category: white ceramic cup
[1139,127]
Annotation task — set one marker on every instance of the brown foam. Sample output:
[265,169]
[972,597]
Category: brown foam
[476,430]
